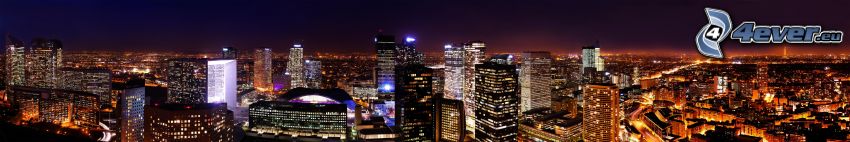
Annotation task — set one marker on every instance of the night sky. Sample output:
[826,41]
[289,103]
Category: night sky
[560,26]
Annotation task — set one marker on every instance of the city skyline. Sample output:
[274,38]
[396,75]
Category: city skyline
[424,71]
[556,26]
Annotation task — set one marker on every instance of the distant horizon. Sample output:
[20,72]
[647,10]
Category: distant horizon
[654,26]
[771,52]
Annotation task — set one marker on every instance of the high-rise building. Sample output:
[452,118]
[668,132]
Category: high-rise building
[229,53]
[295,67]
[636,76]
[415,101]
[590,59]
[601,117]
[221,82]
[385,71]
[187,81]
[131,103]
[535,80]
[245,74]
[450,124]
[438,79]
[762,77]
[282,81]
[196,81]
[304,114]
[593,66]
[263,69]
[454,72]
[473,53]
[15,67]
[95,81]
[313,74]
[497,100]
[45,59]
[407,54]
[207,122]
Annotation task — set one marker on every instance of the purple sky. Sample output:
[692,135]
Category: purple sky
[560,26]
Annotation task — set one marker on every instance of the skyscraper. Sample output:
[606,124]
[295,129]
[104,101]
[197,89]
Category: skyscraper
[385,71]
[496,98]
[535,80]
[207,122]
[187,81]
[590,59]
[45,59]
[15,62]
[415,100]
[636,76]
[313,74]
[593,66]
[454,72]
[263,69]
[438,80]
[196,81]
[295,67]
[450,124]
[407,53]
[221,82]
[229,53]
[600,121]
[95,81]
[131,103]
[474,53]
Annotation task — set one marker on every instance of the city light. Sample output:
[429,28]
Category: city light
[387,87]
[553,71]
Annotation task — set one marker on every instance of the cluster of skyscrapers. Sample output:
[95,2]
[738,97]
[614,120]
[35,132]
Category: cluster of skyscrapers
[44,91]
[471,96]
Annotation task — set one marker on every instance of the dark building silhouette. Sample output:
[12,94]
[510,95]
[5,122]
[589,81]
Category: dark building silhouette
[415,101]
[497,101]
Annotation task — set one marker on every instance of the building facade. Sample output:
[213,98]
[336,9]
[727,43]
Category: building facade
[385,71]
[454,72]
[221,82]
[535,80]
[131,103]
[295,66]
[497,100]
[473,54]
[60,107]
[15,68]
[263,70]
[304,115]
[415,101]
[590,58]
[450,124]
[601,118]
[187,81]
[407,54]
[208,122]
[95,81]
[45,59]
[313,74]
